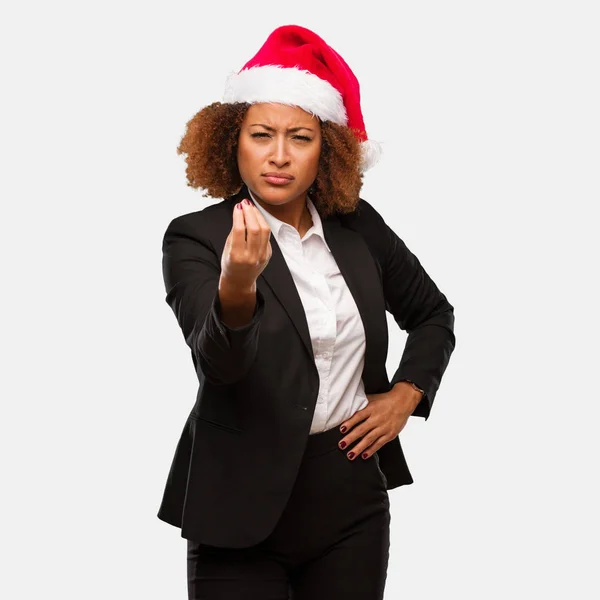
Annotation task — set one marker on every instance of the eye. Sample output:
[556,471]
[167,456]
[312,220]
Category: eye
[304,138]
[260,134]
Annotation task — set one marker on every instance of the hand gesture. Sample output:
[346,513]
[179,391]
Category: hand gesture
[247,248]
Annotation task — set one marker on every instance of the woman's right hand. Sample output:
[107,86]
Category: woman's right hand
[247,249]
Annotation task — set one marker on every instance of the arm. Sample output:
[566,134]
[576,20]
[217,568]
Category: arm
[191,273]
[420,309]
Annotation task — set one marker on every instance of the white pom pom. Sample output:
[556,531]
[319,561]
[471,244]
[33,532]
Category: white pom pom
[371,152]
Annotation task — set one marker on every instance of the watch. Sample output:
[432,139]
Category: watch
[414,386]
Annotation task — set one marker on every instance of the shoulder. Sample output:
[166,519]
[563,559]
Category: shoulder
[203,222]
[364,217]
[369,223]
[208,227]
[383,241]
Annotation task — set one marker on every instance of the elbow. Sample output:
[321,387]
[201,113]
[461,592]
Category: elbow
[219,375]
[441,315]
[225,356]
[445,319]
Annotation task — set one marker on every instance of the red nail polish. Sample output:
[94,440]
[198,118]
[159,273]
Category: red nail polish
[343,429]
[246,201]
[239,205]
[342,445]
[365,455]
[350,455]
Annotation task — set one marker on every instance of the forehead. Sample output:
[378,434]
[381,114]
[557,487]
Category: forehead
[271,113]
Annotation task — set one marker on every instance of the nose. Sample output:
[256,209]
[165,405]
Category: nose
[280,156]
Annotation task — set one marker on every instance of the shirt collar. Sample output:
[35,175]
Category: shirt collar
[275,224]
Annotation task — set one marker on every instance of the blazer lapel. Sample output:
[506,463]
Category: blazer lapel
[359,270]
[278,276]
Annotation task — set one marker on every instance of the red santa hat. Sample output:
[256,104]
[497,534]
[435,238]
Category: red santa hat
[296,67]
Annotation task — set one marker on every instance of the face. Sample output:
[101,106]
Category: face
[278,152]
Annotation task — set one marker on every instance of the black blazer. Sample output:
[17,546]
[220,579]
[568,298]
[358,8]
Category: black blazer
[242,443]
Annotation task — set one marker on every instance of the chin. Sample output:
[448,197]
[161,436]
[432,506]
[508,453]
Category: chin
[275,194]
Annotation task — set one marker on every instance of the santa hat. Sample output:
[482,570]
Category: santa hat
[296,67]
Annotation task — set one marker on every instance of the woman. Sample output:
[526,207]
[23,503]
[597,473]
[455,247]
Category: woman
[280,478]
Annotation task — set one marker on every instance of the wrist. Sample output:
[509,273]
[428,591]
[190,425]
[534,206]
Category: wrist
[413,391]
[235,291]
[237,304]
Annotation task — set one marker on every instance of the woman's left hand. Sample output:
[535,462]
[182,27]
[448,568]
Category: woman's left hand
[380,421]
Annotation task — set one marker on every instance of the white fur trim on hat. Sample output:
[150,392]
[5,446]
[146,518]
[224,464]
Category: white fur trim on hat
[371,152]
[283,85]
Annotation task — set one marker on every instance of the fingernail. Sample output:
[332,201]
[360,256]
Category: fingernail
[342,445]
[239,205]
[246,201]
[365,455]
[350,455]
[343,429]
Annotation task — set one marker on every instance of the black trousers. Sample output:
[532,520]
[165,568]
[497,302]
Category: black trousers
[331,543]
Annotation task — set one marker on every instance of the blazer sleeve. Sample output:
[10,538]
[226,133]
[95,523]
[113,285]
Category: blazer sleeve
[191,271]
[420,309]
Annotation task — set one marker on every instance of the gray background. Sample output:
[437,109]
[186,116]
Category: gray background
[488,114]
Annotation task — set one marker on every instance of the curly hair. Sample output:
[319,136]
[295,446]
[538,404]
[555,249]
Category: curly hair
[210,145]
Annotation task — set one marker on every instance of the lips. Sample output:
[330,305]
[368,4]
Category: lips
[278,178]
[280,175]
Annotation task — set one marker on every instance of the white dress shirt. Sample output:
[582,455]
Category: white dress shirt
[335,325]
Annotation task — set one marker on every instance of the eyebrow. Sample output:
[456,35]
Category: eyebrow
[290,130]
